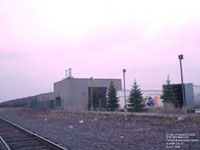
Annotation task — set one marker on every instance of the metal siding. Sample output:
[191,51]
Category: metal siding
[189,96]
[196,96]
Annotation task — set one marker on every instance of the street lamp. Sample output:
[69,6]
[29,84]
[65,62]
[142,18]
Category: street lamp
[180,57]
[125,105]
[91,95]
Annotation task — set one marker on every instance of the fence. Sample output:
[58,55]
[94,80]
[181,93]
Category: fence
[47,104]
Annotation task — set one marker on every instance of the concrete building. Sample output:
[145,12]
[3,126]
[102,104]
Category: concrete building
[75,93]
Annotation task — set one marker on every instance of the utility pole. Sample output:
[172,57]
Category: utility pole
[125,105]
[180,57]
[91,95]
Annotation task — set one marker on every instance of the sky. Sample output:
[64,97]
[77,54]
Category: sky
[40,39]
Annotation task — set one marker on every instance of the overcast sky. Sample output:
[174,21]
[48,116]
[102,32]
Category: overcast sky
[40,39]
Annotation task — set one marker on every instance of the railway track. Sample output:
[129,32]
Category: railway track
[15,137]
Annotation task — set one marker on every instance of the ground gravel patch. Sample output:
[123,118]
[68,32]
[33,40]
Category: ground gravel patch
[102,131]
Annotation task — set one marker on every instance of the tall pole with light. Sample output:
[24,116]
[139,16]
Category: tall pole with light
[91,95]
[180,57]
[125,105]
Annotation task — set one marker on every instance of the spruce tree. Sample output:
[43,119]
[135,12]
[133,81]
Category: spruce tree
[113,100]
[169,94]
[95,98]
[135,98]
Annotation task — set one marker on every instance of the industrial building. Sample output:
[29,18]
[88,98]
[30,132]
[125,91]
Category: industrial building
[75,93]
[192,95]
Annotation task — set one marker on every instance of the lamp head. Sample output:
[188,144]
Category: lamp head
[180,56]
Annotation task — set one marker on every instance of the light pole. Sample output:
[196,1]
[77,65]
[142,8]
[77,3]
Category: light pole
[180,57]
[125,105]
[91,95]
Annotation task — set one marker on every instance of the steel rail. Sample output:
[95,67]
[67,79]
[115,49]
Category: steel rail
[4,144]
[38,137]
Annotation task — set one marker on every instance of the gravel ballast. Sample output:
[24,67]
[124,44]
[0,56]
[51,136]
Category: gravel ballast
[103,131]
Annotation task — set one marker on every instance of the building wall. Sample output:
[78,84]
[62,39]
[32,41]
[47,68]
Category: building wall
[192,95]
[63,89]
[80,94]
[46,96]
[189,96]
[196,90]
[106,83]
[148,95]
[74,91]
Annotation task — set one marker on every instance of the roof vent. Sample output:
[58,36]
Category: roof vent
[69,76]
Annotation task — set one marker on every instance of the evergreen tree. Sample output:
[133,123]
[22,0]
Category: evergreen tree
[169,94]
[113,100]
[95,98]
[135,98]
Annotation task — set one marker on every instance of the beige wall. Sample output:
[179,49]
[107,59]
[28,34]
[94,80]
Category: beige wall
[74,92]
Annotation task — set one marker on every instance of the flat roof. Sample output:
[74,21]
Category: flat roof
[88,79]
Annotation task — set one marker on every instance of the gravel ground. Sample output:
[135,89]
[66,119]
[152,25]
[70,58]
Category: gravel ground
[104,131]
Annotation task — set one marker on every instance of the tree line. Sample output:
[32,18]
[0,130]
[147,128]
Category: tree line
[135,98]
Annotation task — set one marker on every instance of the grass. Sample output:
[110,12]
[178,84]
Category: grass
[167,108]
[193,119]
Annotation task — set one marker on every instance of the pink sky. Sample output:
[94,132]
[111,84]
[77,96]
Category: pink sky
[40,39]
